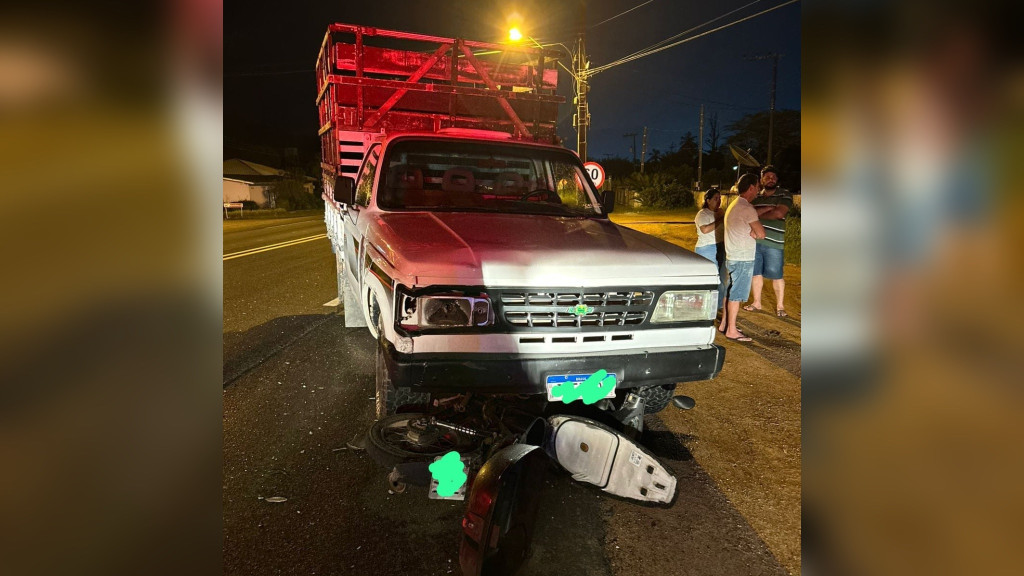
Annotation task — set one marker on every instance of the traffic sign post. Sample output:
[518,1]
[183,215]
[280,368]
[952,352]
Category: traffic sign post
[239,205]
[596,173]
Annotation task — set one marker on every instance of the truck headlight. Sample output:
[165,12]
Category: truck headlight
[444,311]
[685,306]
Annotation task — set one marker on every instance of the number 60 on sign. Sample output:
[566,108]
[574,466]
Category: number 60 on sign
[596,173]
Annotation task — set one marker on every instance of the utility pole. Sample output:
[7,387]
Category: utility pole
[771,107]
[771,98]
[633,149]
[582,110]
[700,150]
[643,157]
[580,65]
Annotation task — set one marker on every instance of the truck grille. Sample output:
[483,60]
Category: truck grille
[559,309]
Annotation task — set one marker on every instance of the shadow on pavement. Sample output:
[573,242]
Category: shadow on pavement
[245,350]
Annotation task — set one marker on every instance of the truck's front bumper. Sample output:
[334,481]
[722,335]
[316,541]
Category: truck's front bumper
[507,374]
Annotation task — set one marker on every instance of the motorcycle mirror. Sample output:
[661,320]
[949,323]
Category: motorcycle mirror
[684,402]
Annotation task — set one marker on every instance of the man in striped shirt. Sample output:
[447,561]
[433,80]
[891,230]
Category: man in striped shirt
[772,205]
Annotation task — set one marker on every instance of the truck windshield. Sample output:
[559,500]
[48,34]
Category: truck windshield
[434,175]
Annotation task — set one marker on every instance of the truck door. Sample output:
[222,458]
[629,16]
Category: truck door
[354,232]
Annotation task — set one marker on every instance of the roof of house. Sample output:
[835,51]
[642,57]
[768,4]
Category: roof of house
[252,179]
[239,167]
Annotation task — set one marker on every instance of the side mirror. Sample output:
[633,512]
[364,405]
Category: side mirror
[684,402]
[608,201]
[345,190]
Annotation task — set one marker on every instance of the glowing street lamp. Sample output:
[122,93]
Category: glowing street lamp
[515,35]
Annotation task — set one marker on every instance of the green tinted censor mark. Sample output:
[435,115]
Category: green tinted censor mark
[580,310]
[449,473]
[597,386]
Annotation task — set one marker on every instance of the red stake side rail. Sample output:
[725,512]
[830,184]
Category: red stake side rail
[372,81]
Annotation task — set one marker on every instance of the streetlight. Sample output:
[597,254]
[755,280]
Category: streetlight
[582,116]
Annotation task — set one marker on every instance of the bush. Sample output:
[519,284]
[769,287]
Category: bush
[793,239]
[656,190]
[249,205]
[291,194]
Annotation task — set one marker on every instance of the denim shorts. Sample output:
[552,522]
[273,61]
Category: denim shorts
[768,262]
[740,274]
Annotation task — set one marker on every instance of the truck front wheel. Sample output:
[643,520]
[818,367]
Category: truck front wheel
[656,398]
[389,398]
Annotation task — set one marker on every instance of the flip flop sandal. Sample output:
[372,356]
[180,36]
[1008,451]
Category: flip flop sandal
[750,308]
[781,313]
[741,339]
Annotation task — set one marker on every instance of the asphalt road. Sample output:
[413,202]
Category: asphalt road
[298,385]
[274,296]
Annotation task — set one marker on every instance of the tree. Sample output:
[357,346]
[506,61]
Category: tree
[751,132]
[654,157]
[292,194]
[688,149]
[616,167]
[711,142]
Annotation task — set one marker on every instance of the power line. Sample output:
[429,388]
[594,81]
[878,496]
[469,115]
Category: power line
[621,14]
[684,32]
[666,47]
[637,56]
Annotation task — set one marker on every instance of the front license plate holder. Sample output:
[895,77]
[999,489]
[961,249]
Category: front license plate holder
[577,379]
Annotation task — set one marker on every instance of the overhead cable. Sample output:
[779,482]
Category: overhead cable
[641,54]
[621,14]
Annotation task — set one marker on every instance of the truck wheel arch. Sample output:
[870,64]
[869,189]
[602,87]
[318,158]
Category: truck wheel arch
[375,293]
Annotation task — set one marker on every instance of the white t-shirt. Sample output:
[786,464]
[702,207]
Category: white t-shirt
[704,217]
[739,245]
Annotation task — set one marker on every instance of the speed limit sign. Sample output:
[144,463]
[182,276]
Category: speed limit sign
[595,172]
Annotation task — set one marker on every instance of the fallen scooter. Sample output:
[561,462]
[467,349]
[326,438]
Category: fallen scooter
[506,445]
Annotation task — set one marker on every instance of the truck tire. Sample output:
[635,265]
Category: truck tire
[656,398]
[389,398]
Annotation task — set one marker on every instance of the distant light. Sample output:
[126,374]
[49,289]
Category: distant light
[735,167]
[515,35]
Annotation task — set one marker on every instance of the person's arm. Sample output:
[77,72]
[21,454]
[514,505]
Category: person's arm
[705,217]
[756,230]
[763,211]
[777,213]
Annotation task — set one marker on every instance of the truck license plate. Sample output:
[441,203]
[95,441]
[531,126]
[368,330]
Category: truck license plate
[577,379]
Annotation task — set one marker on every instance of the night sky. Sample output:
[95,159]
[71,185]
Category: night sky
[270,50]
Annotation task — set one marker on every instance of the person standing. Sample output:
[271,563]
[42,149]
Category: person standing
[772,205]
[742,229]
[710,233]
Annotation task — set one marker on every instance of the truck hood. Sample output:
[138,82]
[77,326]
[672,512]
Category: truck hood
[529,250]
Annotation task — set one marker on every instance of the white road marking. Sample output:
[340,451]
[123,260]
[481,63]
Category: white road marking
[304,221]
[334,302]
[261,249]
